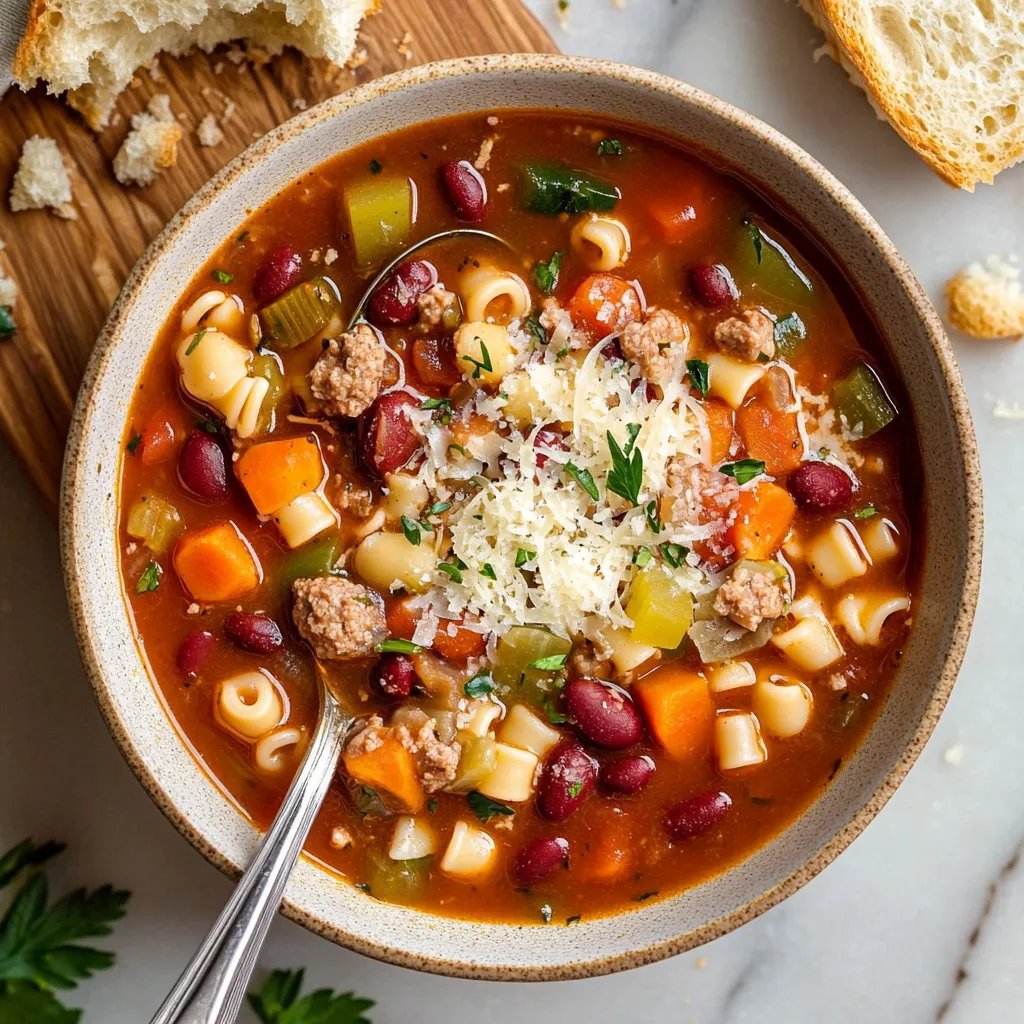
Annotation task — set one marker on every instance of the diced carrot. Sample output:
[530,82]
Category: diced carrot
[720,427]
[216,564]
[609,850]
[770,436]
[464,644]
[764,515]
[602,304]
[275,472]
[476,426]
[677,704]
[402,618]
[389,767]
[677,216]
[158,435]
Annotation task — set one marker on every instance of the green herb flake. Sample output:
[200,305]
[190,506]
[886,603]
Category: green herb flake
[627,473]
[574,789]
[363,887]
[452,570]
[222,276]
[523,556]
[575,919]
[743,471]
[651,513]
[545,913]
[700,375]
[485,808]
[641,557]
[242,236]
[555,717]
[149,580]
[562,352]
[376,166]
[761,801]
[209,427]
[437,403]
[453,447]
[755,236]
[645,896]
[674,554]
[488,570]
[480,685]
[277,1001]
[552,663]
[536,328]
[584,478]
[431,805]
[396,645]
[437,508]
[134,443]
[546,274]
[483,365]
[609,147]
[7,323]
[194,343]
[411,529]
[866,512]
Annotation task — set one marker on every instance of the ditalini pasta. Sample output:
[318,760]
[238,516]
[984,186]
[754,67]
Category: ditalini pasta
[592,515]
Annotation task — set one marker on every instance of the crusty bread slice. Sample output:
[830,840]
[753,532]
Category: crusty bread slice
[947,74]
[91,48]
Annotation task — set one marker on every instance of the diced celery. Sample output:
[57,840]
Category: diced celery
[155,522]
[267,366]
[479,758]
[766,263]
[301,313]
[517,650]
[396,881]
[380,214]
[861,399]
[721,638]
[660,608]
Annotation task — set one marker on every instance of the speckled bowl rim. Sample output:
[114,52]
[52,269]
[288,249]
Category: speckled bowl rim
[72,513]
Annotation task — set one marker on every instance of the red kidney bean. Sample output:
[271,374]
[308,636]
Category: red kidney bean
[627,774]
[820,487]
[712,285]
[202,468]
[566,781]
[612,350]
[254,631]
[547,438]
[386,438]
[280,270]
[194,651]
[393,303]
[393,676]
[465,188]
[604,714]
[538,859]
[697,815]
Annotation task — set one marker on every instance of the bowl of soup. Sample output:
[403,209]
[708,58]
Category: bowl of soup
[602,453]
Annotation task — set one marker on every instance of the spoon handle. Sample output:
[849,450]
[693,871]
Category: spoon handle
[212,986]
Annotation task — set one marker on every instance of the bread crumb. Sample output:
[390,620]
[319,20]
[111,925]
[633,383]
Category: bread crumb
[955,754]
[193,609]
[41,179]
[330,256]
[340,838]
[150,146]
[503,187]
[154,69]
[404,49]
[8,291]
[3,245]
[492,120]
[209,132]
[483,158]
[218,67]
[299,103]
[229,112]
[235,55]
[358,59]
[987,301]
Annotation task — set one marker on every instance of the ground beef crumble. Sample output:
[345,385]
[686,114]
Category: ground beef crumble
[748,336]
[695,495]
[437,762]
[338,618]
[347,496]
[655,343]
[349,374]
[588,659]
[368,739]
[431,306]
[748,598]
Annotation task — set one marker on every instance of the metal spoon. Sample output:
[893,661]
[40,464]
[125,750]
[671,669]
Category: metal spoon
[212,986]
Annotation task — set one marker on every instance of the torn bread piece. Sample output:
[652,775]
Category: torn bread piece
[90,49]
[8,291]
[986,300]
[150,146]
[948,75]
[209,133]
[42,179]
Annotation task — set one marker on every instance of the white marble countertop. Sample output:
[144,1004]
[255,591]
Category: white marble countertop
[922,919]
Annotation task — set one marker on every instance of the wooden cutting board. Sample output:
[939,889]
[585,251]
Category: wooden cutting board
[69,272]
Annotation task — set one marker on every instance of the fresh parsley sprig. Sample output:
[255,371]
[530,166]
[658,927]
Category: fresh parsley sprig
[700,376]
[277,1002]
[482,365]
[627,473]
[584,478]
[546,274]
[743,471]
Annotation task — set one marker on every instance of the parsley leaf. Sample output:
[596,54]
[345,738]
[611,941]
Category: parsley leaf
[480,685]
[609,147]
[574,790]
[555,717]
[523,556]
[744,470]
[866,512]
[437,403]
[222,276]
[411,529]
[484,807]
[396,645]
[199,335]
[483,365]
[536,328]
[431,805]
[674,554]
[546,274]
[25,855]
[7,323]
[437,508]
[552,663]
[488,570]
[651,512]
[21,1004]
[627,473]
[452,570]
[454,447]
[149,580]
[134,443]
[376,166]
[277,1002]
[584,478]
[641,557]
[700,376]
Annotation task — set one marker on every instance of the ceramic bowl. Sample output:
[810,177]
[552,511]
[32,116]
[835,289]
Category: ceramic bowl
[951,536]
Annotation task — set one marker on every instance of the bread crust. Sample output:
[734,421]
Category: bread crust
[844,25]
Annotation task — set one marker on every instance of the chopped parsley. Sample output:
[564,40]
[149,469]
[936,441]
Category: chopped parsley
[278,1002]
[574,789]
[193,344]
[674,554]
[376,166]
[552,663]
[641,557]
[743,471]
[536,328]
[584,478]
[452,570]
[609,147]
[437,508]
[222,276]
[480,365]
[480,685]
[562,352]
[437,403]
[396,645]
[134,443]
[431,805]
[555,717]
[411,529]
[700,376]
[626,476]
[453,447]
[645,896]
[651,512]
[7,324]
[485,808]
[866,512]
[546,274]
[149,580]
[755,236]
[488,570]
[242,236]
[523,556]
